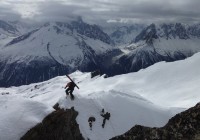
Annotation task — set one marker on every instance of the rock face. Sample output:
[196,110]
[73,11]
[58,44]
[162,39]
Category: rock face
[183,126]
[59,125]
[7,28]
[125,34]
[168,31]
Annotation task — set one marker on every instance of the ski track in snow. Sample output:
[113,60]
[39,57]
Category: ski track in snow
[149,97]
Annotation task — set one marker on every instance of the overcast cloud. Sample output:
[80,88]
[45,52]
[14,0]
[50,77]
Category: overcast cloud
[96,11]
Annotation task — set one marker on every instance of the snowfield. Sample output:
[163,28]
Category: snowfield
[18,115]
[149,97]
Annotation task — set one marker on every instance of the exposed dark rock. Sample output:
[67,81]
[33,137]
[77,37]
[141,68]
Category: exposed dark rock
[59,125]
[79,26]
[8,27]
[194,30]
[37,71]
[167,31]
[5,93]
[95,73]
[45,68]
[148,34]
[183,126]
[121,34]
[21,38]
[141,59]
[56,106]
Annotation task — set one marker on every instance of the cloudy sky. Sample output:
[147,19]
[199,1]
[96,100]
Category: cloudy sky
[96,11]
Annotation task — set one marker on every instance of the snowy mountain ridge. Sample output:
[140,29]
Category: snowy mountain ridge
[56,49]
[159,42]
[168,31]
[149,97]
[123,35]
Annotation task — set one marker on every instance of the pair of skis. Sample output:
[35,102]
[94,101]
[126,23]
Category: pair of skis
[72,81]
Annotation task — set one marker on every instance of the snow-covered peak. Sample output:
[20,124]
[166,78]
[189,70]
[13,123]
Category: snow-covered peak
[63,37]
[54,49]
[122,35]
[168,31]
[82,28]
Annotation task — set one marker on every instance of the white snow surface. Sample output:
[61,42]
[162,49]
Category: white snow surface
[149,97]
[18,115]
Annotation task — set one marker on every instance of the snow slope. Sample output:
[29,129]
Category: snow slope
[18,115]
[149,97]
[127,109]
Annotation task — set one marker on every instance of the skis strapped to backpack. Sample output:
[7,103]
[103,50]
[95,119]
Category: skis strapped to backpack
[72,81]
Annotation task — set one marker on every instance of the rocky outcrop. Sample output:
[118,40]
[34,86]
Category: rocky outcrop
[183,126]
[148,34]
[8,28]
[167,31]
[59,125]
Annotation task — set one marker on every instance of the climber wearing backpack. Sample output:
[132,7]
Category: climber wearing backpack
[70,88]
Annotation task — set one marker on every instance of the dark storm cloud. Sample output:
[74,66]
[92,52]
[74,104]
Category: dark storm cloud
[92,11]
[96,11]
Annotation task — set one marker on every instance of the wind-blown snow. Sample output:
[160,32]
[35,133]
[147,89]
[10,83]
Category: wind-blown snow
[149,97]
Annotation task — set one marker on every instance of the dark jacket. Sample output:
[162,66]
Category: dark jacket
[106,116]
[91,119]
[70,85]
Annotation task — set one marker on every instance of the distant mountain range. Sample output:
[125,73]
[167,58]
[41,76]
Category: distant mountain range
[36,54]
[164,42]
[51,50]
